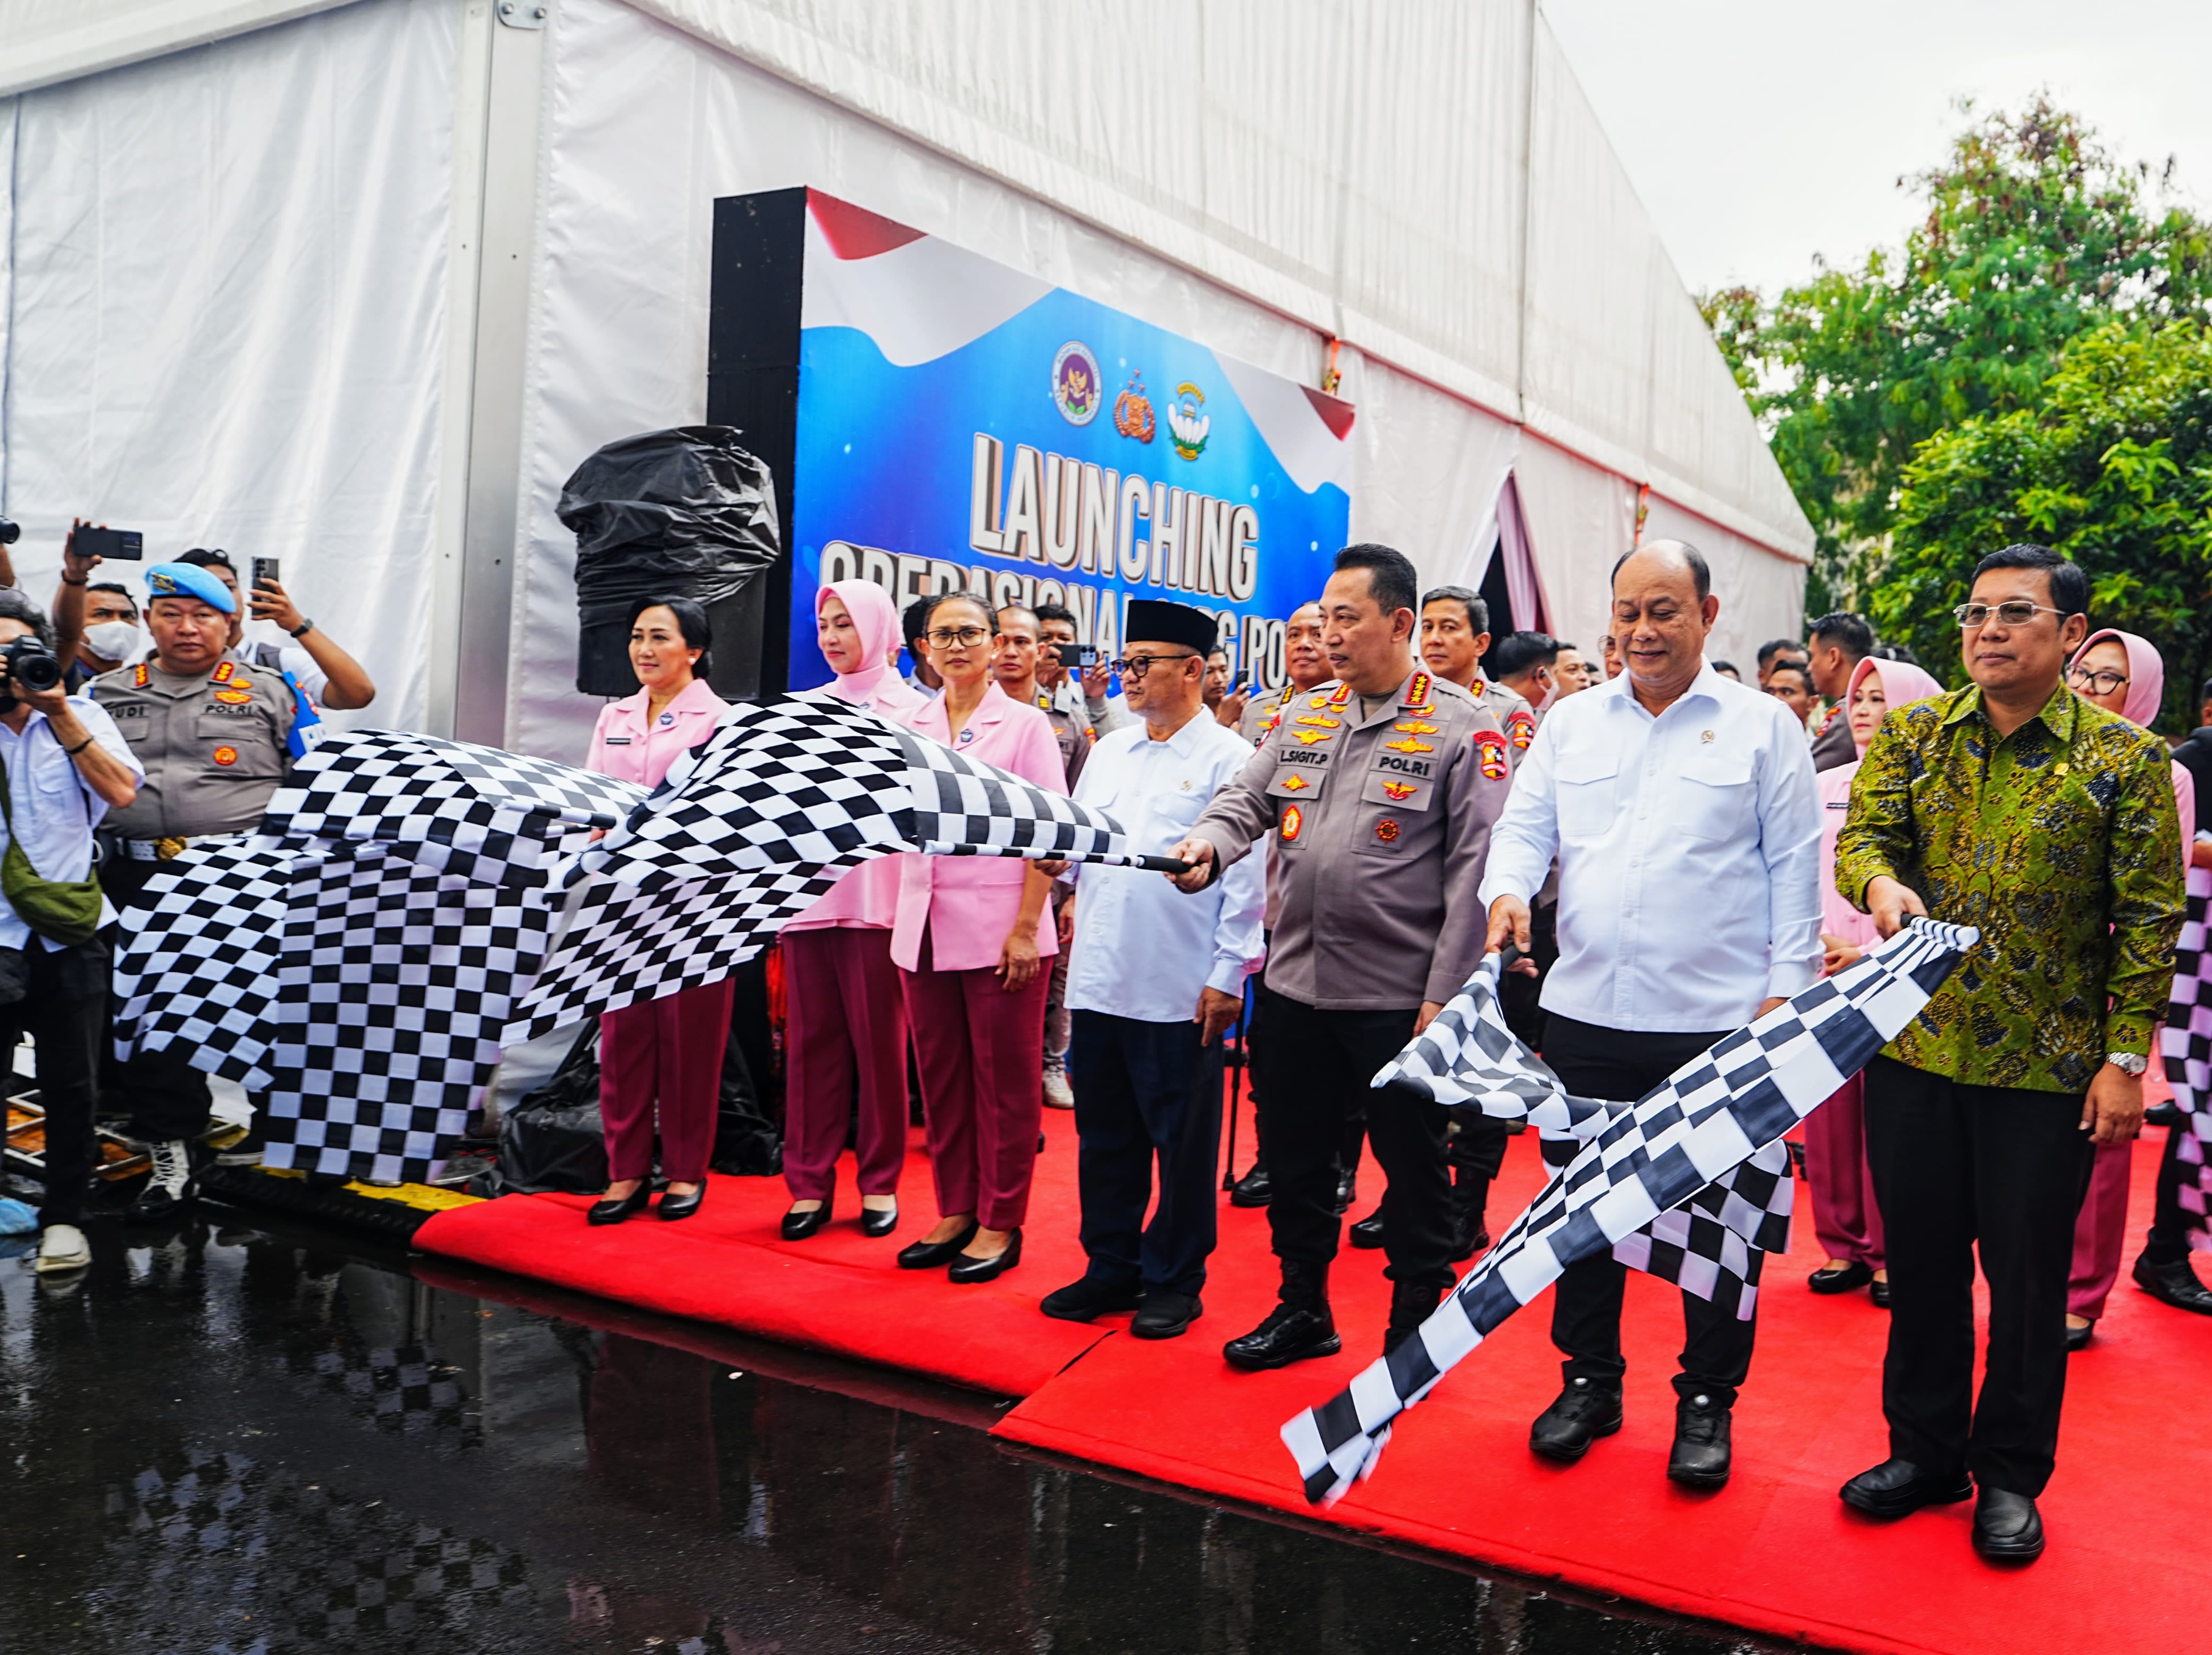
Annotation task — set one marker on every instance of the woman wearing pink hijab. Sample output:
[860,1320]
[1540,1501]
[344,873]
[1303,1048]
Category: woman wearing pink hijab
[1845,1216]
[2123,674]
[844,1017]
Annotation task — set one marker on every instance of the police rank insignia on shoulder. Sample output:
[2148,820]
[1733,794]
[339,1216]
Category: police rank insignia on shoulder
[1417,695]
[225,672]
[1521,727]
[139,677]
[1340,696]
[1492,745]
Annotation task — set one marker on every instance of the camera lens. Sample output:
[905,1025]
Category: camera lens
[33,666]
[10,532]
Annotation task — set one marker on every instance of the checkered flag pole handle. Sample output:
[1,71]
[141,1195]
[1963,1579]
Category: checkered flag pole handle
[2185,1045]
[1708,1120]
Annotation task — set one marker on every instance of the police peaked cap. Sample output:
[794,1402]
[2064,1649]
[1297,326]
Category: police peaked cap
[186,580]
[1152,621]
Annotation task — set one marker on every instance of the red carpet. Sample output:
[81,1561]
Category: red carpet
[1774,1551]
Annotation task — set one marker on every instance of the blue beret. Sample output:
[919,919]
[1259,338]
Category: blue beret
[188,580]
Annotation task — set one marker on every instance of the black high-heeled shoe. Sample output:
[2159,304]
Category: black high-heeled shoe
[798,1225]
[879,1221]
[674,1206]
[966,1271]
[618,1210]
[928,1255]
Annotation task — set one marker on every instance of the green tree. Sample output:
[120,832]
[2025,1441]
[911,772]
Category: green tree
[2110,463]
[2031,234]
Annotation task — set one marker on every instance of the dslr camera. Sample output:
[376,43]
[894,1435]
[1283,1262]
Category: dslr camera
[30,665]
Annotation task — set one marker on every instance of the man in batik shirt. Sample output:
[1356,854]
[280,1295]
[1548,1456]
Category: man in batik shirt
[2016,807]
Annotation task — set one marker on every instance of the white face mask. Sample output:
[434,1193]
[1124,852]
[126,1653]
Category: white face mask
[112,640]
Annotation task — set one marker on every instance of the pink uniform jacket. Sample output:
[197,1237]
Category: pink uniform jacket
[623,748]
[969,903]
[866,898]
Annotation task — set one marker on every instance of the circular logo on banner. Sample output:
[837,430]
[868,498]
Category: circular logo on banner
[1189,421]
[1076,390]
[226,755]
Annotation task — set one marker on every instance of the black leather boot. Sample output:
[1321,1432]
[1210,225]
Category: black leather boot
[1298,1328]
[1410,1305]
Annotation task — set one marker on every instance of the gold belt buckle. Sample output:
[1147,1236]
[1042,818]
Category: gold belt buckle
[166,849]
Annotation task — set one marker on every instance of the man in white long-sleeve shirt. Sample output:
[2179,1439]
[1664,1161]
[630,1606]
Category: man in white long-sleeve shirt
[1154,977]
[1683,809]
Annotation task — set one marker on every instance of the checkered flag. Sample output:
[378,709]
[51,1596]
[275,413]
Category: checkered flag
[1695,1133]
[411,904]
[2185,1044]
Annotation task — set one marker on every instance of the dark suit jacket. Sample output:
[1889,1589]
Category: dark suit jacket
[1833,748]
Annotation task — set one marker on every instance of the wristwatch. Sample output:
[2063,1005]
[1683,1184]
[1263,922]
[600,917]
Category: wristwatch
[303,629]
[2130,1063]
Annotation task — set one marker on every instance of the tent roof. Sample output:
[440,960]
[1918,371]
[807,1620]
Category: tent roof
[45,41]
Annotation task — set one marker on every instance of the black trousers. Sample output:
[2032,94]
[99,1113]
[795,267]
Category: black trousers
[1314,1070]
[2168,1240]
[167,1097]
[1620,1066]
[1957,1167]
[64,1010]
[1145,1092]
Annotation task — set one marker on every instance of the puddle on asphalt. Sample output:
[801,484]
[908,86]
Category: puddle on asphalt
[227,1439]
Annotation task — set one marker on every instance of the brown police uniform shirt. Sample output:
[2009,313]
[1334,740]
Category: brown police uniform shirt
[212,744]
[1382,823]
[1262,714]
[1511,710]
[1072,732]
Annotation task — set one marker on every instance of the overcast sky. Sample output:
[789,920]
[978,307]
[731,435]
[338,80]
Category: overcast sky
[1760,132]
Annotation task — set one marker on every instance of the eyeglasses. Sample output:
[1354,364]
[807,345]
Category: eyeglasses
[2096,683]
[1137,666]
[957,637]
[2013,612]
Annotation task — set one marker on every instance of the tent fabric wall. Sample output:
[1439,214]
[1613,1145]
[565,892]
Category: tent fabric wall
[647,124]
[1581,518]
[226,306]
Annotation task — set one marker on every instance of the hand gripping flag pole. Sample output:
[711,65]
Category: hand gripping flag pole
[409,905]
[1683,1182]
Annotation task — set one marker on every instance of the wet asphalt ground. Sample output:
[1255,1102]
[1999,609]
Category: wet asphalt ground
[237,1436]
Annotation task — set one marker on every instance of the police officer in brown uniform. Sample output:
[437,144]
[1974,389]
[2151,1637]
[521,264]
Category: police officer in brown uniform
[1380,792]
[211,733]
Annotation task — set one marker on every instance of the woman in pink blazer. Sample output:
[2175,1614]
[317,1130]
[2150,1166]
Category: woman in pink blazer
[1844,1214]
[969,937]
[844,1013]
[667,1051]
[2126,675]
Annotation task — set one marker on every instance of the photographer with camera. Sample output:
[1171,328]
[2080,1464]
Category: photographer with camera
[212,735]
[62,766]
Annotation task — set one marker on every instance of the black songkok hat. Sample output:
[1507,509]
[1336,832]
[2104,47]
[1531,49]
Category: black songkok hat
[1152,621]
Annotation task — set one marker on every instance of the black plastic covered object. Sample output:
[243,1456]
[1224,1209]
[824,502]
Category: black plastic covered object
[685,513]
[553,1139]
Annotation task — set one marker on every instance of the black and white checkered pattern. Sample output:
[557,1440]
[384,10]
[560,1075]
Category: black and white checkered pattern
[411,904]
[2185,1043]
[1696,1131]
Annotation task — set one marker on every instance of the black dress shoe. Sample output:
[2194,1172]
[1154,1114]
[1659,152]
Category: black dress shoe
[1582,1413]
[928,1255]
[1086,1297]
[2174,1284]
[2077,1339]
[1166,1315]
[879,1221]
[2007,1529]
[1878,1295]
[966,1269]
[1367,1233]
[1468,1239]
[1253,1189]
[798,1225]
[1291,1333]
[1852,1276]
[1701,1453]
[1347,1191]
[673,1206]
[615,1212]
[1898,1488]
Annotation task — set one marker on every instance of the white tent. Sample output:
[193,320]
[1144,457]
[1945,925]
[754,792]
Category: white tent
[357,285]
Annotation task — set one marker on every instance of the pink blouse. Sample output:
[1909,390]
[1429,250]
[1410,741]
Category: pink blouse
[970,903]
[621,746]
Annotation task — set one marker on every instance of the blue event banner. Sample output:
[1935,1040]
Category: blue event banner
[1067,453]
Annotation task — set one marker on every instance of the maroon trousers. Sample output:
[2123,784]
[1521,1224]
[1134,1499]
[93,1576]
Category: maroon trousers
[844,1021]
[980,1051]
[1845,1216]
[667,1051]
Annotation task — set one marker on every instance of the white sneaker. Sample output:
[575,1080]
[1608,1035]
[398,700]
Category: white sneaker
[1058,1094]
[62,1247]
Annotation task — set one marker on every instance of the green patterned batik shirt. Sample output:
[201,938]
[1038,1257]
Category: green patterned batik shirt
[2060,843]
